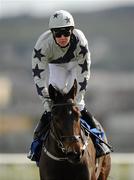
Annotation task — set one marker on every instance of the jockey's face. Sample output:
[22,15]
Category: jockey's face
[63,41]
[62,36]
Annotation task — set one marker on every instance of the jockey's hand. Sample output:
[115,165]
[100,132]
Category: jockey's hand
[47,104]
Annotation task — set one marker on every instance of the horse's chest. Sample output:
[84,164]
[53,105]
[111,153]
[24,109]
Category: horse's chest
[66,171]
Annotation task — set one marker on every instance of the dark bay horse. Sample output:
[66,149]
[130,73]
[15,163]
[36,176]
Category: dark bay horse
[68,153]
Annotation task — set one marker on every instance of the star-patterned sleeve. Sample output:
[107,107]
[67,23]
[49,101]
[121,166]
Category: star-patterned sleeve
[83,69]
[84,63]
[40,74]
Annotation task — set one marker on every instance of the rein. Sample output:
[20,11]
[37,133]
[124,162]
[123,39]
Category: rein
[63,104]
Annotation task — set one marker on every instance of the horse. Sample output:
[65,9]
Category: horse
[68,152]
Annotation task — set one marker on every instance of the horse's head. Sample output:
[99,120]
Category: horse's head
[66,122]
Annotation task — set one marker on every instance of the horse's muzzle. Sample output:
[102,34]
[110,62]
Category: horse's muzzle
[73,148]
[74,152]
[74,157]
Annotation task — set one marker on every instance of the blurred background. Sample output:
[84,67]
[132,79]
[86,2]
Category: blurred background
[109,28]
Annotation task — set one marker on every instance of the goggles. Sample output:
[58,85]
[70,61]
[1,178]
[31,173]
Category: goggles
[60,32]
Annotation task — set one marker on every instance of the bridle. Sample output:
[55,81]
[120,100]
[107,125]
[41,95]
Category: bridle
[60,139]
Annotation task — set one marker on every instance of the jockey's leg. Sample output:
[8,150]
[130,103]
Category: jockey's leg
[41,128]
[101,148]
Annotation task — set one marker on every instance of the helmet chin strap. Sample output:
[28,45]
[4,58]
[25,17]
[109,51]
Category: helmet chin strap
[64,46]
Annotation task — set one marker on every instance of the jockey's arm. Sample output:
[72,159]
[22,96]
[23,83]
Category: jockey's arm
[40,73]
[83,71]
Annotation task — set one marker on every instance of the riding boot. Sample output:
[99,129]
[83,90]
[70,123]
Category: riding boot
[41,128]
[101,148]
[42,125]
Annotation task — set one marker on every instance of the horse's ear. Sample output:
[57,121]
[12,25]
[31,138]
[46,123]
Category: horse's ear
[52,92]
[73,90]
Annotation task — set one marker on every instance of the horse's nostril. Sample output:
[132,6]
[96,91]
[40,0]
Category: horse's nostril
[74,155]
[78,155]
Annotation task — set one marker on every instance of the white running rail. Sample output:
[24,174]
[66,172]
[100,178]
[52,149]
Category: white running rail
[14,159]
[117,158]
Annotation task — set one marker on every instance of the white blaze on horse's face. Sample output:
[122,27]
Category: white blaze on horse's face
[70,112]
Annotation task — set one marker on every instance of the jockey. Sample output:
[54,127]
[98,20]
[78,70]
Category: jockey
[61,55]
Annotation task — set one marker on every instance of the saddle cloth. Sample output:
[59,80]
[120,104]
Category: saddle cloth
[94,131]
